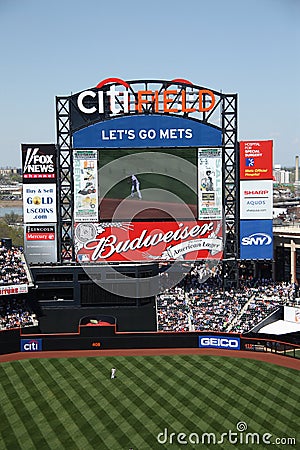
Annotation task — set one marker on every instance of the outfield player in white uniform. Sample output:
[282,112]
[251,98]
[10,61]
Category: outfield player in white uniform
[113,373]
[135,186]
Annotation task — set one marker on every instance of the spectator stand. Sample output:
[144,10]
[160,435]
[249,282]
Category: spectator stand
[199,303]
[15,280]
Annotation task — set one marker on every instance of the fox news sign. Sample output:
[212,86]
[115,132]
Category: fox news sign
[38,163]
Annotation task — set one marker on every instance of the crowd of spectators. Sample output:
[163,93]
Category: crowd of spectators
[12,267]
[199,303]
[216,311]
[173,311]
[267,297]
[14,313]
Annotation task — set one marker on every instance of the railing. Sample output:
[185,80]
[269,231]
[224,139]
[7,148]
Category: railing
[272,346]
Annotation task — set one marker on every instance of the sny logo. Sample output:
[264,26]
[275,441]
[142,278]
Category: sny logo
[257,239]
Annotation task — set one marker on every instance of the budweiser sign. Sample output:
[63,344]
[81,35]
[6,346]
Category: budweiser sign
[148,241]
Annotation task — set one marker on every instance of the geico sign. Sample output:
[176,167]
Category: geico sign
[222,342]
[163,100]
[257,239]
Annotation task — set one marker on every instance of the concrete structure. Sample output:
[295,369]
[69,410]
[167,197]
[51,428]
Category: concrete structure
[287,252]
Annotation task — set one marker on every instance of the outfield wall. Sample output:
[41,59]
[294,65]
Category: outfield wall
[97,338]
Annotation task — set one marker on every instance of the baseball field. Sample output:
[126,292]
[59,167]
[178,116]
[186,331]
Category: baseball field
[156,402]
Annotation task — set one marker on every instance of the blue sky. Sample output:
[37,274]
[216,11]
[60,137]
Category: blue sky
[249,47]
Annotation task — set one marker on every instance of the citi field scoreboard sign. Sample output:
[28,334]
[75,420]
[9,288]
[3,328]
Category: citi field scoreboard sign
[116,113]
[118,118]
[177,121]
[116,96]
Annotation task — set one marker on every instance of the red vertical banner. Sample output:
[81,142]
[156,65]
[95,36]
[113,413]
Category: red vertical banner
[256,160]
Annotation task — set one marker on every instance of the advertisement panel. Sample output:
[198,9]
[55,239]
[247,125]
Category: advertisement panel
[147,131]
[14,289]
[256,199]
[114,96]
[224,342]
[40,243]
[209,184]
[39,203]
[148,241]
[31,345]
[85,185]
[39,163]
[256,160]
[256,239]
[292,314]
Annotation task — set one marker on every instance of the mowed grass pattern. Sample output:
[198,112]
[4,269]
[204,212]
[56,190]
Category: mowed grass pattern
[71,403]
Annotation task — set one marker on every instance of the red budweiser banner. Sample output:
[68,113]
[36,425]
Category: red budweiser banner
[148,241]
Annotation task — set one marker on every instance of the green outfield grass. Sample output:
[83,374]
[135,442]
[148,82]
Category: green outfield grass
[72,404]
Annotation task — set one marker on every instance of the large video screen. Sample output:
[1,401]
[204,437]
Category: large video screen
[148,204]
[147,184]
